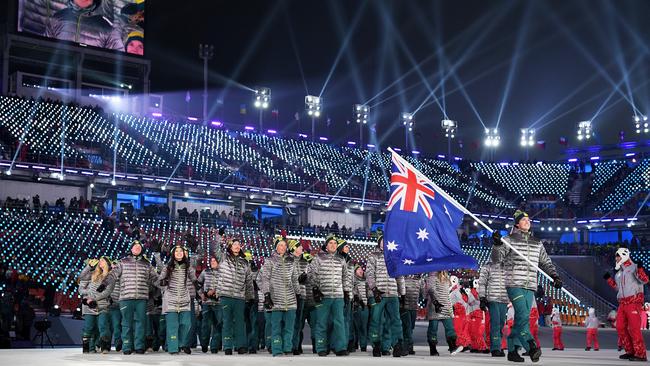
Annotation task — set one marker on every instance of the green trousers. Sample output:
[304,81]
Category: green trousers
[268,328]
[432,330]
[251,325]
[498,312]
[116,322]
[152,333]
[298,324]
[522,301]
[211,324]
[360,322]
[134,318]
[178,330]
[234,327]
[95,325]
[282,331]
[408,323]
[330,309]
[347,320]
[386,312]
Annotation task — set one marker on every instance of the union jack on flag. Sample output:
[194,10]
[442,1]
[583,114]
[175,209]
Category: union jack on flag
[410,190]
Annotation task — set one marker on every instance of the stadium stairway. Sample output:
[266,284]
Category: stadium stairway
[583,292]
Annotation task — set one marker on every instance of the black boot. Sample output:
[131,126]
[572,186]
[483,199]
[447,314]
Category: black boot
[533,351]
[148,343]
[397,349]
[351,347]
[364,349]
[187,350]
[85,345]
[204,349]
[139,352]
[411,350]
[432,349]
[626,356]
[641,359]
[376,349]
[228,352]
[242,350]
[105,344]
[118,345]
[513,356]
[496,353]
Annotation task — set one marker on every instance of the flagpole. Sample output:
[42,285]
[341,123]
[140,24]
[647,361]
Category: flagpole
[479,221]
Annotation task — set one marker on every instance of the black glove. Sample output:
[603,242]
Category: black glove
[91,304]
[157,301]
[298,297]
[484,304]
[607,276]
[557,282]
[346,297]
[84,301]
[256,288]
[268,303]
[376,293]
[164,282]
[101,288]
[250,303]
[318,295]
[437,306]
[302,278]
[402,301]
[496,238]
[356,302]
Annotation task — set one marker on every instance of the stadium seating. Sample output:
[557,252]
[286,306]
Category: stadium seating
[636,182]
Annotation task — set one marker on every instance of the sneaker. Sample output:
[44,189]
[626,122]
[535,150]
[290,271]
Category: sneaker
[204,349]
[626,356]
[587,348]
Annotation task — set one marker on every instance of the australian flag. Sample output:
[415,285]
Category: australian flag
[420,229]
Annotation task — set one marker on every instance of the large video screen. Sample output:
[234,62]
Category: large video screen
[111,24]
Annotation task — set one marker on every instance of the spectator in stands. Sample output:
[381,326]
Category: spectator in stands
[521,279]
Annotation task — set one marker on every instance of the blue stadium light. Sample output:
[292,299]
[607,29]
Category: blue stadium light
[272,132]
[630,155]
[573,160]
[249,128]
[217,123]
[302,135]
[156,114]
[527,137]
[351,143]
[594,158]
[193,119]
[323,138]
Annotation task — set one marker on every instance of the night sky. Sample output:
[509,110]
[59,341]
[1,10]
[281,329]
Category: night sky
[543,64]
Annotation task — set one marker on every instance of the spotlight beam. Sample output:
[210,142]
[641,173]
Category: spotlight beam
[456,78]
[616,88]
[344,46]
[585,52]
[294,46]
[474,27]
[521,36]
[252,46]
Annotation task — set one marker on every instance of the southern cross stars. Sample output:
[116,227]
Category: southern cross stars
[391,246]
[423,234]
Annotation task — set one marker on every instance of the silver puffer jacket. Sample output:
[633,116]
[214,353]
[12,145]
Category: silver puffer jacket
[236,279]
[329,272]
[438,290]
[377,276]
[176,295]
[519,274]
[281,281]
[88,290]
[135,274]
[492,283]
[209,279]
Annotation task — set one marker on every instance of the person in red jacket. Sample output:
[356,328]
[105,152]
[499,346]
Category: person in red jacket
[556,322]
[628,282]
[458,299]
[476,321]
